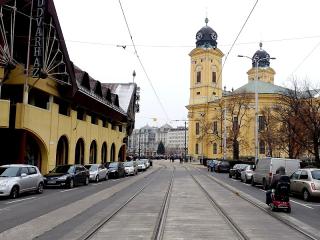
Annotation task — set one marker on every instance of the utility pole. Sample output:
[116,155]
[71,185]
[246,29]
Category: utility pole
[185,141]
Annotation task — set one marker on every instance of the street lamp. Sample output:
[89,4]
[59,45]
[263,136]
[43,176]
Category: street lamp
[256,60]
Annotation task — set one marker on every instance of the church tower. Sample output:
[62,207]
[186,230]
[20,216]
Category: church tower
[205,86]
[205,75]
[261,67]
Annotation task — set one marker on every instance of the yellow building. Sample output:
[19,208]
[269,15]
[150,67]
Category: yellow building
[52,112]
[222,123]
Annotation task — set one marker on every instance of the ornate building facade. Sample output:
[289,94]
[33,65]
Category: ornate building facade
[222,123]
[52,112]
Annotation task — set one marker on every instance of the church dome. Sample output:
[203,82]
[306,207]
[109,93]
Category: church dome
[206,37]
[262,57]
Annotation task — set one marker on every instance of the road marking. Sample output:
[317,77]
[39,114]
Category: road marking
[67,190]
[4,209]
[93,184]
[262,190]
[20,200]
[301,204]
[314,205]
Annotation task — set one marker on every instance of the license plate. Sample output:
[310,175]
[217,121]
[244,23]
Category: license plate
[51,182]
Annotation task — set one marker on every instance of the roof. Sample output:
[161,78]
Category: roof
[262,87]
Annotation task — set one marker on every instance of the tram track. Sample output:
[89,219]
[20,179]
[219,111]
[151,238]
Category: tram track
[291,225]
[159,226]
[233,225]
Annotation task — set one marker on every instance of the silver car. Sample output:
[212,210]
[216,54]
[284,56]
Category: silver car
[141,165]
[246,174]
[19,178]
[306,182]
[131,168]
[97,172]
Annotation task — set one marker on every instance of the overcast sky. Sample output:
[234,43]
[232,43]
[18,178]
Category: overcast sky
[164,33]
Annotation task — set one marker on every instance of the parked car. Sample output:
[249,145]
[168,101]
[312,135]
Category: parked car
[131,168]
[236,170]
[266,168]
[116,169]
[211,164]
[222,166]
[141,165]
[306,182]
[97,172]
[67,176]
[246,174]
[19,178]
[147,162]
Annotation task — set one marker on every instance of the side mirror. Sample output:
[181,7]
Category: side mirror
[23,174]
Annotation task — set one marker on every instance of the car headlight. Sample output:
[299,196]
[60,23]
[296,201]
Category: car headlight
[63,177]
[3,183]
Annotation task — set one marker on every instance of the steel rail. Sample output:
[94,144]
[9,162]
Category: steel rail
[160,224]
[289,224]
[90,233]
[237,230]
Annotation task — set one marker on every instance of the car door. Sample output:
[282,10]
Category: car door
[25,182]
[78,175]
[303,181]
[34,177]
[294,181]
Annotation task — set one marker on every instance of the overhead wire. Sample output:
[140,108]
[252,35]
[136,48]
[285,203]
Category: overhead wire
[141,64]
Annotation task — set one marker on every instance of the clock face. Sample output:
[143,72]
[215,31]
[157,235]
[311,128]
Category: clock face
[199,36]
[214,36]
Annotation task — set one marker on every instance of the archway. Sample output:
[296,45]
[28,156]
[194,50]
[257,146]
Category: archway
[112,153]
[62,151]
[104,153]
[79,156]
[32,152]
[122,153]
[93,152]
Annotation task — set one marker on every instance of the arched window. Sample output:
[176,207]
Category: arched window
[262,147]
[104,153]
[62,151]
[215,148]
[93,152]
[79,156]
[112,153]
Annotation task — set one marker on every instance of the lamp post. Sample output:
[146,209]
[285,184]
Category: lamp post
[256,61]
[133,75]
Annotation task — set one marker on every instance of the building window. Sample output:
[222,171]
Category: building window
[214,77]
[120,128]
[198,93]
[197,148]
[262,123]
[213,93]
[215,148]
[197,128]
[94,119]
[80,114]
[262,147]
[198,77]
[113,127]
[235,123]
[215,127]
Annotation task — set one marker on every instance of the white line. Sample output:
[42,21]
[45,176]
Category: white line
[262,190]
[301,204]
[4,209]
[94,184]
[67,190]
[20,200]
[314,205]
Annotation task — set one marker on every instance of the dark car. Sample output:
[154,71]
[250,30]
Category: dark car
[222,166]
[236,170]
[116,170]
[211,164]
[67,176]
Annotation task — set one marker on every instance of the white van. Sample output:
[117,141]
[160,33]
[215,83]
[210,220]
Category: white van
[266,168]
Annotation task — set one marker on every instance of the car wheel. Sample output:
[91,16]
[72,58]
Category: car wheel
[97,178]
[289,210]
[71,183]
[306,195]
[252,182]
[230,175]
[14,192]
[87,181]
[40,188]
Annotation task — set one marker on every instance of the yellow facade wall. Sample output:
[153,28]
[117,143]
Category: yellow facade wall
[4,113]
[48,126]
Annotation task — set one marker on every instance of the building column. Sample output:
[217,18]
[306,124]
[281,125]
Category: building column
[22,147]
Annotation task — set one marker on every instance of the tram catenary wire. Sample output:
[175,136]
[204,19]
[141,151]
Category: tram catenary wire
[289,224]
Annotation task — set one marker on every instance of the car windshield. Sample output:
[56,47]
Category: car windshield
[128,164]
[113,165]
[91,167]
[9,171]
[63,169]
[316,174]
[140,162]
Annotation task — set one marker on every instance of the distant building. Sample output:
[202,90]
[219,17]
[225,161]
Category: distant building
[148,138]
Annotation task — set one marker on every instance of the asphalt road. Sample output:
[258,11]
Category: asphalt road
[307,212]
